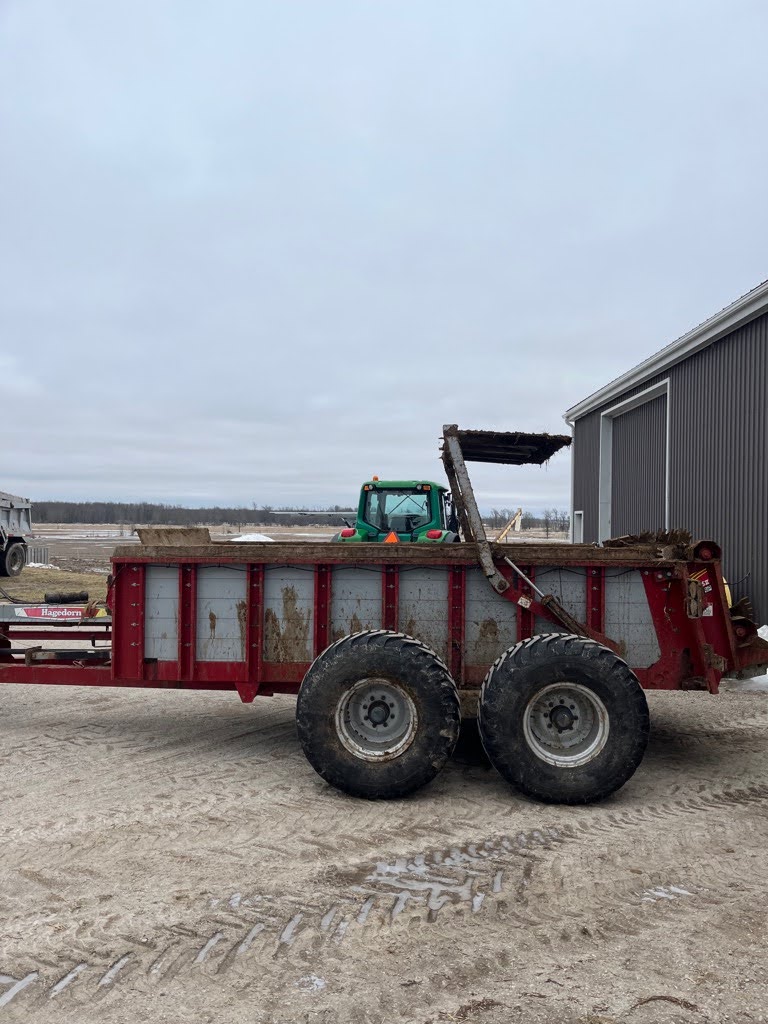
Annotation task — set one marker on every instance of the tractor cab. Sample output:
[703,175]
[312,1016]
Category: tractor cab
[394,511]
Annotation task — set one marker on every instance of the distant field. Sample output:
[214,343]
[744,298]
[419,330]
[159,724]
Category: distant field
[79,555]
[34,583]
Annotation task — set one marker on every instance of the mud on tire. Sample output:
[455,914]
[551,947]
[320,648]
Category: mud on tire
[378,714]
[563,719]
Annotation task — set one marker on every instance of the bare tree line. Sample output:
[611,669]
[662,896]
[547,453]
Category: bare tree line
[551,520]
[147,514]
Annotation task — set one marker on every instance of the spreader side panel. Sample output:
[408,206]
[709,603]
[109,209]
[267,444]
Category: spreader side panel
[161,612]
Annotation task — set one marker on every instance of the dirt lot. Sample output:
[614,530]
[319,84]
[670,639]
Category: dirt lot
[171,857]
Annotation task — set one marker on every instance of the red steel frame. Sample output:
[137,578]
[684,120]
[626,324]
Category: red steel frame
[695,651]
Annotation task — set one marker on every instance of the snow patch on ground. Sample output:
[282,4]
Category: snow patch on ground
[41,565]
[755,684]
[311,983]
[252,538]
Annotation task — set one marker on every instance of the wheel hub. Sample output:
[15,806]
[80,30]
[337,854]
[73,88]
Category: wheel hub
[566,724]
[562,718]
[376,719]
[378,713]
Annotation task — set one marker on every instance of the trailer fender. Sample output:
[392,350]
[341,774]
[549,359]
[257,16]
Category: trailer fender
[378,714]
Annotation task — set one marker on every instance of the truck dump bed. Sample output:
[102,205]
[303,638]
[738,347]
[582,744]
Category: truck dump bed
[15,516]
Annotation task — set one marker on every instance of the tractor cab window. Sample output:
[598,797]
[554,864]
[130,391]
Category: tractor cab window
[398,510]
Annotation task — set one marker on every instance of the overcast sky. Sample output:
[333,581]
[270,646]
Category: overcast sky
[257,252]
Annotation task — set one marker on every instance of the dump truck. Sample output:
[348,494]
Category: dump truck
[15,525]
[386,646]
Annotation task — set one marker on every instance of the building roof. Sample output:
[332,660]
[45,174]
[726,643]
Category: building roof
[738,313]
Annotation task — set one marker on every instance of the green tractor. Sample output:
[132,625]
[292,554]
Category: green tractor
[391,511]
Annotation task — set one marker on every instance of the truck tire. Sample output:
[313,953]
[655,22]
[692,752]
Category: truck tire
[378,714]
[13,560]
[563,719]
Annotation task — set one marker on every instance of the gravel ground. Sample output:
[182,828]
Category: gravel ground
[171,857]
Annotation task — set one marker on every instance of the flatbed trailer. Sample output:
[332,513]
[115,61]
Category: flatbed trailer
[551,645]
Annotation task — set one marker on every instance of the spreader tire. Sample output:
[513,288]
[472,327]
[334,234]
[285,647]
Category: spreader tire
[378,714]
[563,719]
[13,560]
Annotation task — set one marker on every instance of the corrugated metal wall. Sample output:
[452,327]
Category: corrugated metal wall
[719,434]
[586,471]
[586,447]
[639,440]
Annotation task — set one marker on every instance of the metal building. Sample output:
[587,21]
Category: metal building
[680,441]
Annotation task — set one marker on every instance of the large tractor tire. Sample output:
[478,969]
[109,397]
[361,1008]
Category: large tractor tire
[563,719]
[13,560]
[378,714]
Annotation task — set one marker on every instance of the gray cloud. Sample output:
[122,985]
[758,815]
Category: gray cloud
[257,252]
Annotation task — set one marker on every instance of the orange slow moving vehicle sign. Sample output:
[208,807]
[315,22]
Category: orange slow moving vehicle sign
[391,538]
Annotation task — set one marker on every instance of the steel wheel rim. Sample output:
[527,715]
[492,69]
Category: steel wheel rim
[566,724]
[376,719]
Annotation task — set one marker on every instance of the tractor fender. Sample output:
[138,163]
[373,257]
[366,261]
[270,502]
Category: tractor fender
[447,537]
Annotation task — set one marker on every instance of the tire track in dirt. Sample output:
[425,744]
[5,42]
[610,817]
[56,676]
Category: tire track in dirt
[455,885]
[183,769]
[204,795]
[215,954]
[201,785]
[752,737]
[147,741]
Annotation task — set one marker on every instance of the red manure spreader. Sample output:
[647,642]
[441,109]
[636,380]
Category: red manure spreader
[551,646]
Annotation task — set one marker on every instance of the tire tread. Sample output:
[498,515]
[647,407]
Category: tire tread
[494,705]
